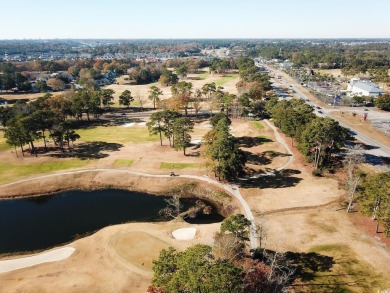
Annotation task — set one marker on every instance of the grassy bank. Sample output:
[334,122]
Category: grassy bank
[12,172]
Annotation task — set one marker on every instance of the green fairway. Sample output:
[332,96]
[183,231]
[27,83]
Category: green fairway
[12,172]
[165,165]
[225,79]
[258,124]
[123,163]
[203,75]
[3,145]
[118,134]
[338,270]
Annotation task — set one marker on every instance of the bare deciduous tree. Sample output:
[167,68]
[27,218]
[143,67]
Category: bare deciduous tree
[352,161]
[280,272]
[141,100]
[173,207]
[261,231]
[228,247]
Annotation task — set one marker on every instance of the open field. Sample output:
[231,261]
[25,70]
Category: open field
[334,72]
[301,213]
[116,134]
[227,81]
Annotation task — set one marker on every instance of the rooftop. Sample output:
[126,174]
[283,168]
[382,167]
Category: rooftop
[368,86]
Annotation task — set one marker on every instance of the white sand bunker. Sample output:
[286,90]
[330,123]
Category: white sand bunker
[196,141]
[184,233]
[141,124]
[25,262]
[128,124]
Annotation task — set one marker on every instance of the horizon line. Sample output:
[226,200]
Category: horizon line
[205,38]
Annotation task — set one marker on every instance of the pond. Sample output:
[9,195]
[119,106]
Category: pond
[37,223]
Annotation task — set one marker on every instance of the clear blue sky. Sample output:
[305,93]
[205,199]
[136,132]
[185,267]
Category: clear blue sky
[33,19]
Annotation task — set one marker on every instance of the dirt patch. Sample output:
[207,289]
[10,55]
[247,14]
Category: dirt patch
[366,224]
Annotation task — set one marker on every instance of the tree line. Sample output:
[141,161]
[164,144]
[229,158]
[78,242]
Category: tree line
[56,117]
[318,138]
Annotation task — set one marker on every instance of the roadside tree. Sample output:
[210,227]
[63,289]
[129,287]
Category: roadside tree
[383,102]
[320,139]
[375,199]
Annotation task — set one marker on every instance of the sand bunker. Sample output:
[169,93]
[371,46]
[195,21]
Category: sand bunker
[184,233]
[128,124]
[24,262]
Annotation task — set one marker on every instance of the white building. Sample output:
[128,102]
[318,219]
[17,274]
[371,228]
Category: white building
[286,64]
[358,87]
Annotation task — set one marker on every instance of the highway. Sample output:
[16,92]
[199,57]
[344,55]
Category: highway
[374,150]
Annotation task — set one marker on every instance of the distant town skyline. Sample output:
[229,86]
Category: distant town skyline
[173,19]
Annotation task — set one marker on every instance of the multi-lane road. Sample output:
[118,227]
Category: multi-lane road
[374,150]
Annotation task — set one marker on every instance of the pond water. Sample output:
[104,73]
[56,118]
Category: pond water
[28,224]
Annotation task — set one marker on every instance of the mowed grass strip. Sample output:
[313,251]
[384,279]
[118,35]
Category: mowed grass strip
[12,172]
[341,272]
[123,163]
[3,145]
[225,79]
[203,75]
[117,134]
[178,166]
[258,125]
